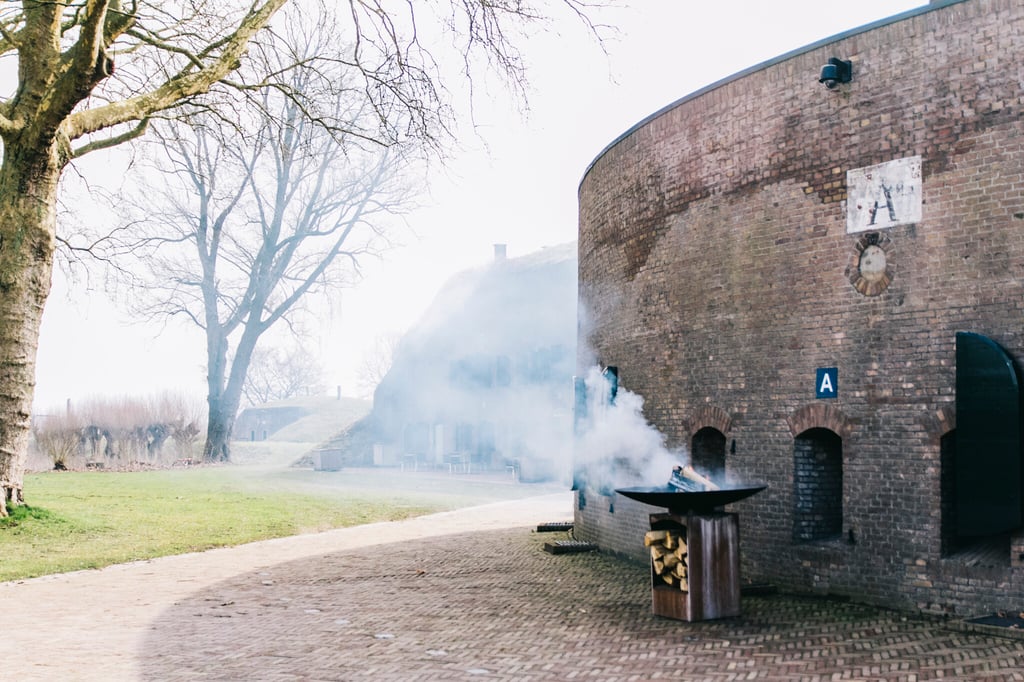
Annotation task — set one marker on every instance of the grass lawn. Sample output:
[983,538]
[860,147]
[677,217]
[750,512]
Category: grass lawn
[79,520]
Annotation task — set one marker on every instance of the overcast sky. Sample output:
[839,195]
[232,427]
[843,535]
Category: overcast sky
[520,190]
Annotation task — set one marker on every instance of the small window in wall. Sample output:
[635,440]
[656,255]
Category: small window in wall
[463,437]
[486,439]
[707,453]
[482,449]
[817,486]
[417,438]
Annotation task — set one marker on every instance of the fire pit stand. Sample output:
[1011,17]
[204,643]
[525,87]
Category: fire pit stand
[695,552]
[712,564]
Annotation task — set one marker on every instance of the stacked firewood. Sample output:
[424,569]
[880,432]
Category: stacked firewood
[668,557]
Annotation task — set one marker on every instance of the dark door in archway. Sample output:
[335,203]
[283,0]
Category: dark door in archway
[707,453]
[988,438]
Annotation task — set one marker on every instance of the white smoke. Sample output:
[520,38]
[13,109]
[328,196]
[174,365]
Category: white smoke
[487,373]
[616,446]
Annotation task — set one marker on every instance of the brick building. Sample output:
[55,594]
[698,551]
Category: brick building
[768,233]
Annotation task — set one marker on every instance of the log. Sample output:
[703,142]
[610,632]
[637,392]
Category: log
[691,473]
[654,536]
[668,550]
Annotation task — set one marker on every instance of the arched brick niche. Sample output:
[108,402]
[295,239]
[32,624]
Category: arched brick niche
[820,416]
[707,452]
[817,485]
[709,429]
[819,430]
[710,416]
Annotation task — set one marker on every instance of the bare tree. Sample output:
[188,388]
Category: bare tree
[280,374]
[64,52]
[69,100]
[250,226]
[58,437]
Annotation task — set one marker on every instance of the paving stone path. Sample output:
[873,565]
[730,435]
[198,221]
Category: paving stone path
[467,595]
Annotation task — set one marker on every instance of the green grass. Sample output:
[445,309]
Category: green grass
[79,520]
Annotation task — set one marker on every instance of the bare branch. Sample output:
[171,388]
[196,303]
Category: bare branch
[132,134]
[184,84]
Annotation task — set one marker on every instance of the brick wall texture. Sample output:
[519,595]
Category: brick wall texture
[716,272]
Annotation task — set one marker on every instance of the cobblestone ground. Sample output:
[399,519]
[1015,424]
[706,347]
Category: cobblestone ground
[494,605]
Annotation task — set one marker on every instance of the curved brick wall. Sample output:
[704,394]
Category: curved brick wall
[718,274]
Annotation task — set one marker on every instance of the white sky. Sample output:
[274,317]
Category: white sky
[520,191]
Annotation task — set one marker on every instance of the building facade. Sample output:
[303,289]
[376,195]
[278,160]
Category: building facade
[780,264]
[484,380]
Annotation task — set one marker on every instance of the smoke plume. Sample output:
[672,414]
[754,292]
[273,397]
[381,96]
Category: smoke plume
[616,446]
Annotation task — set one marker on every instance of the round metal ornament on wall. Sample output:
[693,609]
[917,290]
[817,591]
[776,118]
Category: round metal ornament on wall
[871,270]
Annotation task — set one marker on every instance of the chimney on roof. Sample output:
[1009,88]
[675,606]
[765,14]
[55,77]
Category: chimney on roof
[500,252]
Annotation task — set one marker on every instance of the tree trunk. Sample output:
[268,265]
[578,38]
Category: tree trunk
[28,200]
[220,421]
[219,426]
[225,391]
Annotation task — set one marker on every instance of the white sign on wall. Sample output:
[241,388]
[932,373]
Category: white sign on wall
[883,196]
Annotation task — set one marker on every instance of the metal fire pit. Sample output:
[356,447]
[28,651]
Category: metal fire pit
[679,502]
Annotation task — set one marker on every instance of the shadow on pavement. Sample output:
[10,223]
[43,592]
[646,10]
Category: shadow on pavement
[493,605]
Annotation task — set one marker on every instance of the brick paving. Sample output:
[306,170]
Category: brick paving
[467,595]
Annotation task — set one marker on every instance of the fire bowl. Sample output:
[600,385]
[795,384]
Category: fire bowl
[679,502]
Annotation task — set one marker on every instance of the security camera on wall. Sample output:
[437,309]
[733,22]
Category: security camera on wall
[835,72]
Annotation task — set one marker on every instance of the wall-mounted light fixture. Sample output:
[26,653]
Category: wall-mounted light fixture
[835,72]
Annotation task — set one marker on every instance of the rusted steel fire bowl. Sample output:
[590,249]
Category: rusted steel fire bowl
[679,502]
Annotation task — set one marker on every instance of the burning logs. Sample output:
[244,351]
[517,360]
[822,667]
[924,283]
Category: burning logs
[668,557]
[686,479]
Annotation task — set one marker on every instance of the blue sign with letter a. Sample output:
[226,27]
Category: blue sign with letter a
[826,382]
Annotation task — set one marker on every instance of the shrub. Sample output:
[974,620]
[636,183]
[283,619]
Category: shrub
[58,437]
[128,429]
